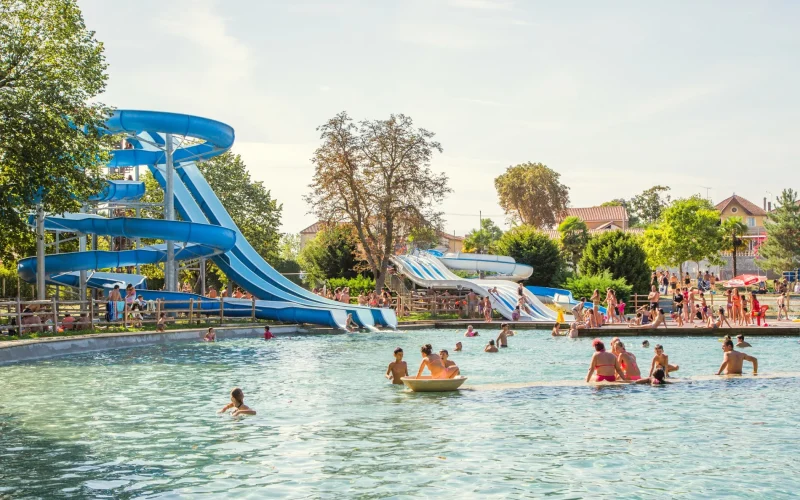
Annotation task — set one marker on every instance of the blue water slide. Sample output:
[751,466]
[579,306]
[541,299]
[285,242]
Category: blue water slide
[243,254]
[120,191]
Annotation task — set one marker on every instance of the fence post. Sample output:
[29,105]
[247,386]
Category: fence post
[221,308]
[19,317]
[91,311]
[191,311]
[55,315]
[254,309]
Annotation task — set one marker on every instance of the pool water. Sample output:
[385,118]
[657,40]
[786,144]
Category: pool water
[142,422]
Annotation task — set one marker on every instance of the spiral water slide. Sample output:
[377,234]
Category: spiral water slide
[426,270]
[279,298]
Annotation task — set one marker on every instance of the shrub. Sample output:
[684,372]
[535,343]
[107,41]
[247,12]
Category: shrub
[359,284]
[622,254]
[585,284]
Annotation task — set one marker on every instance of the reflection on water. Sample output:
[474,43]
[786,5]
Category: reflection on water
[143,422]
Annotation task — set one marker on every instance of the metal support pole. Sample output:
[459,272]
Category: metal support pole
[203,276]
[137,213]
[170,274]
[82,285]
[40,282]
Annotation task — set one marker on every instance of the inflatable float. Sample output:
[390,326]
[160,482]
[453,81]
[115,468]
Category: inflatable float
[428,384]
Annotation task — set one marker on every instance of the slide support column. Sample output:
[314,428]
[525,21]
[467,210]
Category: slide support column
[40,283]
[170,273]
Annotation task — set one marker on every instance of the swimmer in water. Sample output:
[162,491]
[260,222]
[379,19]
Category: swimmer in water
[646,344]
[398,368]
[351,325]
[732,360]
[656,379]
[740,341]
[162,322]
[490,347]
[450,365]
[237,402]
[434,363]
[605,363]
[627,361]
[211,336]
[663,360]
[470,332]
[458,346]
[502,339]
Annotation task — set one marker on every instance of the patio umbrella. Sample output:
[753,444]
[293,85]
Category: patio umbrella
[744,280]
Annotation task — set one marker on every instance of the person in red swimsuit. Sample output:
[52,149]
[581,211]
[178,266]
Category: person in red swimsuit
[605,363]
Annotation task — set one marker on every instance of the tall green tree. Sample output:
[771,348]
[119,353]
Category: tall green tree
[249,203]
[331,254]
[532,194]
[687,231]
[530,246]
[51,147]
[781,251]
[633,219]
[621,254]
[732,230]
[481,240]
[647,206]
[377,176]
[574,235]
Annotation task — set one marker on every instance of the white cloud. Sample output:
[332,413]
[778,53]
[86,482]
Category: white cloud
[483,4]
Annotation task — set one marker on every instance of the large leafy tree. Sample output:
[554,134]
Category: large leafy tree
[533,194]
[781,251]
[481,240]
[619,253]
[732,229]
[530,246]
[331,254]
[574,235]
[633,219]
[51,147]
[377,176]
[687,231]
[645,208]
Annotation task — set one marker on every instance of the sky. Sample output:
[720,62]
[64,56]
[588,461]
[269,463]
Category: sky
[615,96]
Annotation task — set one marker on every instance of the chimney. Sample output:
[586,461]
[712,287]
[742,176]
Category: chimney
[765,203]
[769,207]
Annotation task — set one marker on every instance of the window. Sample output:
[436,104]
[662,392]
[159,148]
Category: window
[734,210]
[751,222]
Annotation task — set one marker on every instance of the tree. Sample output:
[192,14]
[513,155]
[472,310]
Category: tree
[586,284]
[574,235]
[248,202]
[530,246]
[423,237]
[289,247]
[633,219]
[781,251]
[331,254]
[688,230]
[621,254]
[51,145]
[532,193]
[646,207]
[481,240]
[376,175]
[732,229]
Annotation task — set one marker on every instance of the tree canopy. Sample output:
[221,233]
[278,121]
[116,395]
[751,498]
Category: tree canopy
[532,194]
[530,246]
[732,230]
[51,146]
[781,251]
[481,240]
[331,254]
[619,253]
[687,231]
[377,176]
[647,206]
[574,235]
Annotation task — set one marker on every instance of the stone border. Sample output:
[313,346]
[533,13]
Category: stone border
[13,351]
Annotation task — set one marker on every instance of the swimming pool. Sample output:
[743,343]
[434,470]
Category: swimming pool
[141,422]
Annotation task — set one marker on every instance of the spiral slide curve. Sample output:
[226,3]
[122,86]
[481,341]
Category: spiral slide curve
[199,237]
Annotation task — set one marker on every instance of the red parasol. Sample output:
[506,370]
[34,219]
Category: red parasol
[744,280]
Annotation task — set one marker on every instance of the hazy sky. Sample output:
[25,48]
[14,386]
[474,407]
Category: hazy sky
[616,96]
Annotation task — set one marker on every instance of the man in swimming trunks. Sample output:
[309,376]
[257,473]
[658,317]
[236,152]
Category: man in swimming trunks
[398,368]
[502,339]
[740,341]
[490,347]
[732,361]
[663,360]
[605,363]
[659,321]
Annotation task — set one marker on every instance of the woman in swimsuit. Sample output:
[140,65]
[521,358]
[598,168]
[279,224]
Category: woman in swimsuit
[605,363]
[611,305]
[237,402]
[487,309]
[595,307]
[434,363]
[627,361]
[737,306]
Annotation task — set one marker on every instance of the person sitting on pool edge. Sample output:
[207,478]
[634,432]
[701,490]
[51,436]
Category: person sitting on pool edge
[398,368]
[605,363]
[435,364]
[450,365]
[655,324]
[732,360]
[237,402]
[490,347]
[470,332]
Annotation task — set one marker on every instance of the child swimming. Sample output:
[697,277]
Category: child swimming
[398,368]
[237,402]
[211,335]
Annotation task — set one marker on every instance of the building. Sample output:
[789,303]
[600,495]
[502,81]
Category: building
[447,242]
[601,218]
[751,214]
